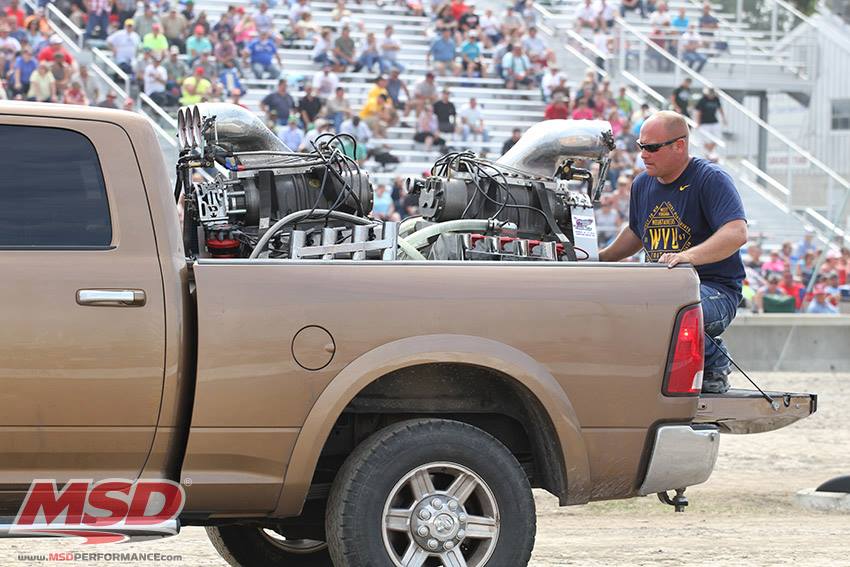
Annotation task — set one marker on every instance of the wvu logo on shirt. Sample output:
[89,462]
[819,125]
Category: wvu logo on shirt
[683,187]
[665,232]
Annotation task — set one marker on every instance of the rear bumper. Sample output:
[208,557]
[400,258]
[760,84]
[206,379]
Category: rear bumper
[682,456]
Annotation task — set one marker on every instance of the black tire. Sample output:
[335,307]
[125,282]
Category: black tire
[246,546]
[354,522]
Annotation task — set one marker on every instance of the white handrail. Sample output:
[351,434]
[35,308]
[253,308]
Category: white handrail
[738,106]
[53,10]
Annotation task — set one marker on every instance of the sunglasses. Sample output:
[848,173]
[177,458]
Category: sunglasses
[652,148]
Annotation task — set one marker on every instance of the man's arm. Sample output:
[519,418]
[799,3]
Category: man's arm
[726,241]
[626,244]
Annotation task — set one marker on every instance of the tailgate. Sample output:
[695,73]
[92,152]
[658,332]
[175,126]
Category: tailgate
[748,411]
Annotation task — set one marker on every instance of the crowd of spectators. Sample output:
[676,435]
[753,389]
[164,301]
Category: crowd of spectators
[778,279]
[691,40]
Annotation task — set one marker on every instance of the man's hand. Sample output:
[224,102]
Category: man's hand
[673,258]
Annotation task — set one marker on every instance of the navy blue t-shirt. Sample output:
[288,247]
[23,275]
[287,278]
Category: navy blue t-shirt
[680,215]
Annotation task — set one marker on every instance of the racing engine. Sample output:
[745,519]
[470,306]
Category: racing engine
[246,195]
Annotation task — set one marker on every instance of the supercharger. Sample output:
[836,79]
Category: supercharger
[246,195]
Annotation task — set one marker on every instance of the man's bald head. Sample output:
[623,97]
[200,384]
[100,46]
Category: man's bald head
[669,130]
[669,123]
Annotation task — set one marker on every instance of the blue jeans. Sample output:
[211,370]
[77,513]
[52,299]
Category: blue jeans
[101,18]
[718,309]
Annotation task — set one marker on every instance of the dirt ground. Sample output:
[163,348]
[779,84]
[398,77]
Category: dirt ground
[744,515]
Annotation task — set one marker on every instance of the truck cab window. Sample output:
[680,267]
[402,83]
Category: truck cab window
[52,194]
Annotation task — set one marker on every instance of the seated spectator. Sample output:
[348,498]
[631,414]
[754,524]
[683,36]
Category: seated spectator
[558,109]
[833,287]
[389,48]
[230,80]
[208,64]
[586,15]
[325,82]
[340,12]
[322,48]
[582,111]
[198,43]
[307,27]
[792,286]
[805,246]
[25,65]
[156,41]
[226,50]
[775,264]
[280,102]
[681,22]
[552,78]
[344,50]
[263,19]
[379,114]
[753,259]
[607,220]
[156,82]
[357,128]
[689,49]
[97,25]
[806,268]
[471,62]
[512,23]
[424,93]
[605,14]
[124,44]
[469,20]
[660,17]
[631,6]
[516,68]
[7,42]
[337,109]
[442,53]
[309,107]
[177,70]
[292,135]
[490,27]
[145,18]
[262,51]
[446,113]
[774,294]
[109,101]
[174,27]
[708,26]
[195,88]
[61,72]
[42,84]
[472,122]
[383,207]
[245,30]
[536,48]
[516,134]
[370,55]
[427,131]
[395,88]
[819,303]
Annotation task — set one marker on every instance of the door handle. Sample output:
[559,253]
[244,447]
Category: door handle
[111,297]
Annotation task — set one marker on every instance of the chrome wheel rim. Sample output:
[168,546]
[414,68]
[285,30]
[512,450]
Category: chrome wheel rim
[441,510]
[294,546]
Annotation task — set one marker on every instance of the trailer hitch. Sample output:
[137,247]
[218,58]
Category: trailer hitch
[679,502]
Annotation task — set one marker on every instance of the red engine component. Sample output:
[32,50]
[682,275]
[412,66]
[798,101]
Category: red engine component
[221,244]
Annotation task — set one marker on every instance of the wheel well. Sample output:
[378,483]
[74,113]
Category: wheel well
[483,397]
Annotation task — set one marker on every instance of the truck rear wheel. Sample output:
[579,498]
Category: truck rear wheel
[247,546]
[429,491]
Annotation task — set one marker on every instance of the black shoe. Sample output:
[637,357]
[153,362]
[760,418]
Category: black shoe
[715,384]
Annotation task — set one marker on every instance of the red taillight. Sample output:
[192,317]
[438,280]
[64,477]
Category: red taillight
[684,369]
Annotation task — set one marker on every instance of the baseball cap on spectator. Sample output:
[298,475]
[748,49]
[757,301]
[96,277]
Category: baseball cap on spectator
[199,29]
[129,22]
[292,119]
[111,94]
[774,278]
[174,49]
[199,70]
[819,289]
[55,39]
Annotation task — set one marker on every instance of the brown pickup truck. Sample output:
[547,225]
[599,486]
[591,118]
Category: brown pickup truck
[326,411]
